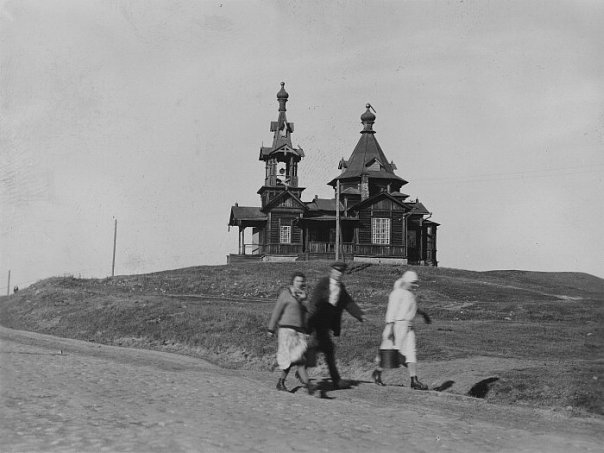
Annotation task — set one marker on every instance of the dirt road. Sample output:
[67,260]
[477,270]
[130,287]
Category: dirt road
[72,396]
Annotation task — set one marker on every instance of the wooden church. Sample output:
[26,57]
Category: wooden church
[374,220]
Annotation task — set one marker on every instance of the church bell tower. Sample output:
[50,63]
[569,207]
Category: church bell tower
[281,159]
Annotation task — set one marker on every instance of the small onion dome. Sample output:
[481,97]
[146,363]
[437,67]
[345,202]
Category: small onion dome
[368,117]
[282,94]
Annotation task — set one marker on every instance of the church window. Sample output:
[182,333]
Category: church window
[285,236]
[380,230]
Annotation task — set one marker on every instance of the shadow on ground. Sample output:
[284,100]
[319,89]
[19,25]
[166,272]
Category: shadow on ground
[480,389]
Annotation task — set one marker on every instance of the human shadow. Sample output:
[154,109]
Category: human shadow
[323,386]
[481,388]
[444,386]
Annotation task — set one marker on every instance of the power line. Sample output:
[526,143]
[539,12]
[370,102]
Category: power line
[544,173]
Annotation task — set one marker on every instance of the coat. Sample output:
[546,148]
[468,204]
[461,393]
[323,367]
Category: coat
[323,316]
[288,312]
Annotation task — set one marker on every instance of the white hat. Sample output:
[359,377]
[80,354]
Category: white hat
[410,277]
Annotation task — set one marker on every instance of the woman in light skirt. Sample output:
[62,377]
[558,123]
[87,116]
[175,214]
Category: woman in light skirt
[289,315]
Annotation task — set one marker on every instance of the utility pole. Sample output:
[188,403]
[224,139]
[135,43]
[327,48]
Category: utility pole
[337,220]
[8,285]
[114,242]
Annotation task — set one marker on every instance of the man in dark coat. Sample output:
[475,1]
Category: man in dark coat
[328,300]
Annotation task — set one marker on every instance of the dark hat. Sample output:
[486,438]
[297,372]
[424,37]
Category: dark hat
[339,266]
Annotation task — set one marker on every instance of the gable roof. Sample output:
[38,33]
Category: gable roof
[375,198]
[282,196]
[351,191]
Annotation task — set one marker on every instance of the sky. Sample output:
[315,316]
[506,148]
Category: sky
[153,113]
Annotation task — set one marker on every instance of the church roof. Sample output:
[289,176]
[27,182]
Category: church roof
[368,157]
[417,207]
[323,204]
[284,148]
[282,140]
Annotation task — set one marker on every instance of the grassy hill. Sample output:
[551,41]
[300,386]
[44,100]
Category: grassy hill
[542,332]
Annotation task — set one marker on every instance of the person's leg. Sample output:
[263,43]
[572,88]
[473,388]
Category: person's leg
[409,348]
[284,373]
[377,372]
[415,382]
[412,366]
[327,347]
[303,377]
[281,382]
[302,374]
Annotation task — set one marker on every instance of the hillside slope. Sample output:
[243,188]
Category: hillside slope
[541,334]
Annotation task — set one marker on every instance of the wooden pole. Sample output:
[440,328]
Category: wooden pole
[8,285]
[405,236]
[421,241]
[337,220]
[114,243]
[242,240]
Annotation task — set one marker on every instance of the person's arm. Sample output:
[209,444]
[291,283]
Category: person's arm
[277,312]
[352,307]
[425,315]
[392,309]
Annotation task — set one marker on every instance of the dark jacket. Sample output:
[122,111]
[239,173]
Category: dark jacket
[323,316]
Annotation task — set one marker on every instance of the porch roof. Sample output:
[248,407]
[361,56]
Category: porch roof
[247,214]
[430,222]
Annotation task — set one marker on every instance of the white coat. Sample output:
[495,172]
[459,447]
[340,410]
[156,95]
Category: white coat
[402,308]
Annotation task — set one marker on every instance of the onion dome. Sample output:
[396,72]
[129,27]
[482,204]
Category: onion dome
[282,94]
[368,118]
[282,97]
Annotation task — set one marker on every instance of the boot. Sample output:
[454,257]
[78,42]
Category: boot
[377,377]
[281,385]
[417,385]
[310,388]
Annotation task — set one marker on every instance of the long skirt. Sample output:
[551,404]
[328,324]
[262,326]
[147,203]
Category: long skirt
[404,340]
[291,347]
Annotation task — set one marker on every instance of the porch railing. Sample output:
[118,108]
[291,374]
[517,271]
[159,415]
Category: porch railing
[281,249]
[251,249]
[348,248]
[328,247]
[314,247]
[380,250]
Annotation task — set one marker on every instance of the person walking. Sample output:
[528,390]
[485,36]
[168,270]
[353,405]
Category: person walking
[328,301]
[289,315]
[399,332]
